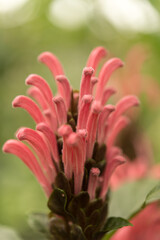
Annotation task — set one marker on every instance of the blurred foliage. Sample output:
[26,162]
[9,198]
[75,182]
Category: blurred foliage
[19,47]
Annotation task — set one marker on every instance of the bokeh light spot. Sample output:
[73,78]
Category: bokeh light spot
[69,14]
[131,15]
[11,5]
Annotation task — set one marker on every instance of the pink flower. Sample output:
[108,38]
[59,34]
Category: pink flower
[72,127]
[134,142]
[146,225]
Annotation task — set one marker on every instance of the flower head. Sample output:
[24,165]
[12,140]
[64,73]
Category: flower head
[73,142]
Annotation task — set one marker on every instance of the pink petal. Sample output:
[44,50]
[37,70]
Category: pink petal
[23,152]
[121,123]
[95,57]
[30,106]
[61,110]
[64,89]
[108,68]
[102,122]
[65,131]
[92,125]
[42,85]
[75,141]
[84,111]
[51,139]
[40,147]
[85,87]
[122,106]
[94,81]
[112,164]
[108,92]
[52,63]
[93,181]
[35,93]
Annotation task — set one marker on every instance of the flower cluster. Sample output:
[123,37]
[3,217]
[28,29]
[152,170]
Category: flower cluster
[72,152]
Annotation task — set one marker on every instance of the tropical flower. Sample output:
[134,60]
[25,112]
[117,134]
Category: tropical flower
[134,141]
[146,225]
[72,152]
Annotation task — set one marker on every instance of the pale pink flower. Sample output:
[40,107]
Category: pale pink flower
[146,225]
[134,142]
[72,127]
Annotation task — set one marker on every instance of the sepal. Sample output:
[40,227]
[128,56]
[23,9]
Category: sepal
[58,201]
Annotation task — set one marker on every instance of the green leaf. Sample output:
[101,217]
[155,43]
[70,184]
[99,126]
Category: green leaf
[7,233]
[129,198]
[39,222]
[153,195]
[57,202]
[114,223]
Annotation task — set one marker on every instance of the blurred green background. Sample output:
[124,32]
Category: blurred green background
[70,29]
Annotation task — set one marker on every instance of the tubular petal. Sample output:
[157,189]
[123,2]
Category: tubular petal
[75,141]
[61,110]
[30,106]
[23,152]
[108,68]
[40,147]
[102,122]
[51,139]
[64,89]
[121,123]
[112,164]
[94,81]
[92,125]
[52,62]
[83,136]
[65,131]
[85,87]
[51,119]
[84,111]
[123,105]
[93,181]
[42,85]
[35,93]
[108,92]
[95,57]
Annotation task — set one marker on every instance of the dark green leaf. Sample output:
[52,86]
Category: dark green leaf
[103,213]
[114,223]
[79,201]
[94,218]
[81,217]
[92,206]
[57,202]
[62,183]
